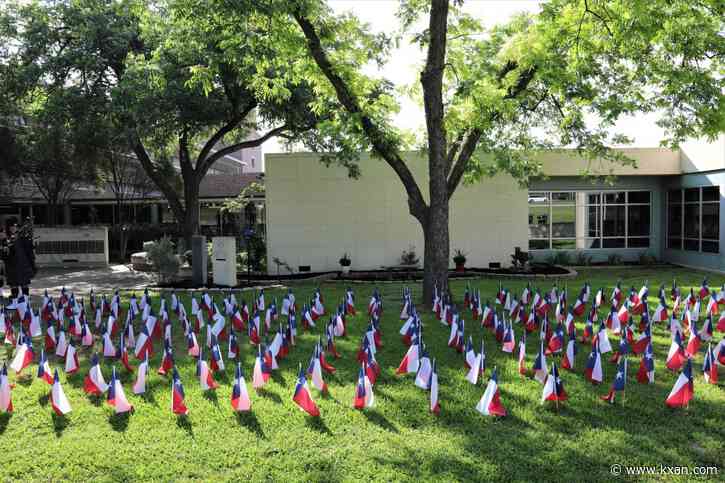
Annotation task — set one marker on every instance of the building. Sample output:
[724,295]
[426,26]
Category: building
[670,206]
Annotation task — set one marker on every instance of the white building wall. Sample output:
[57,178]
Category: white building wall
[316,213]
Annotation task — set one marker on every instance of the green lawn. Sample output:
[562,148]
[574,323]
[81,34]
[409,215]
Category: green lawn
[397,440]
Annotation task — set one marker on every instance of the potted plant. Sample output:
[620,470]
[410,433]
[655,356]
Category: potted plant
[459,258]
[345,263]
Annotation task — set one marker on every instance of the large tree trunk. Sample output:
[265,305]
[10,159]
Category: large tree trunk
[436,250]
[190,221]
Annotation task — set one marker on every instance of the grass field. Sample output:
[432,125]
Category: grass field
[398,439]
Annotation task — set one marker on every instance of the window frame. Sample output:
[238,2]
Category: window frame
[600,203]
[681,203]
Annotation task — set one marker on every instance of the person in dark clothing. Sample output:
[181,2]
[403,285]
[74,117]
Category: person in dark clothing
[19,257]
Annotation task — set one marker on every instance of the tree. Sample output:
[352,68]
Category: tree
[493,99]
[180,91]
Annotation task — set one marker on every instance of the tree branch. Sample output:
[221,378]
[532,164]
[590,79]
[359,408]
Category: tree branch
[469,146]
[381,144]
[219,135]
[252,143]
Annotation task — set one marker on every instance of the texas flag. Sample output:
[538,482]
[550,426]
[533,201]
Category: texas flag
[240,396]
[302,395]
[410,362]
[116,396]
[540,370]
[350,302]
[709,367]
[94,383]
[167,361]
[704,289]
[192,345]
[683,389]
[123,354]
[556,342]
[71,360]
[364,397]
[569,357]
[579,307]
[177,394]
[44,369]
[644,339]
[144,344]
[660,314]
[24,355]
[522,355]
[314,369]
[646,373]
[6,401]
[206,379]
[622,351]
[509,339]
[435,406]
[233,346]
[58,401]
[139,387]
[553,387]
[490,403]
[693,344]
[470,355]
[613,321]
[617,294]
[619,382]
[217,362]
[422,378]
[262,371]
[593,371]
[602,340]
[676,357]
[477,367]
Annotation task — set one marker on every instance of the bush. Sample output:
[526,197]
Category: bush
[647,259]
[583,259]
[162,255]
[520,259]
[559,258]
[614,259]
[459,258]
[408,257]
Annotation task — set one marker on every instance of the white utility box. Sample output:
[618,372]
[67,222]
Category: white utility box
[224,260]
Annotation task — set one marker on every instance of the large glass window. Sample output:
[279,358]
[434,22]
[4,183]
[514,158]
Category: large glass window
[693,219]
[589,219]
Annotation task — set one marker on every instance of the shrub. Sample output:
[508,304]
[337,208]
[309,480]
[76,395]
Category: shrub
[583,259]
[614,259]
[408,257]
[520,259]
[162,255]
[345,260]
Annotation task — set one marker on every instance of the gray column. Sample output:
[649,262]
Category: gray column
[67,219]
[154,214]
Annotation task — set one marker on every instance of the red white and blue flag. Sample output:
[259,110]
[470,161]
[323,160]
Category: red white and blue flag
[593,371]
[684,388]
[435,406]
[139,387]
[58,401]
[71,360]
[709,366]
[44,369]
[302,395]
[116,396]
[490,402]
[206,379]
[619,382]
[6,400]
[240,396]
[24,354]
[177,394]
[553,387]
[364,397]
[262,371]
[646,373]
[540,370]
[676,357]
[94,383]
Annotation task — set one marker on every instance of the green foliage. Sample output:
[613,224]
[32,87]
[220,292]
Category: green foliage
[520,259]
[614,259]
[408,257]
[246,195]
[345,260]
[582,259]
[162,256]
[459,258]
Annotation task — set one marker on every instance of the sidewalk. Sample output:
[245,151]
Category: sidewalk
[81,280]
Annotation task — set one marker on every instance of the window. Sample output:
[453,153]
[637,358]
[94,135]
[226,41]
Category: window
[589,219]
[693,219]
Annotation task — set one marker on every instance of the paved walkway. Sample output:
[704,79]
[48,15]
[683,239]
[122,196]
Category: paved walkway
[81,280]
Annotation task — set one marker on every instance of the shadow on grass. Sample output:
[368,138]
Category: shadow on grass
[378,419]
[269,395]
[44,399]
[249,420]
[96,399]
[318,424]
[277,377]
[24,380]
[4,420]
[59,424]
[119,422]
[182,421]
[211,396]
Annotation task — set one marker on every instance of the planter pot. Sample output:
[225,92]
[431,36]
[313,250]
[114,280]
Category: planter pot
[460,267]
[345,269]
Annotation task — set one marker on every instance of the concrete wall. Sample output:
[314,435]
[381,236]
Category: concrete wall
[316,213]
[78,245]
[697,155]
[650,161]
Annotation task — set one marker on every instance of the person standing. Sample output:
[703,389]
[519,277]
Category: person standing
[19,257]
